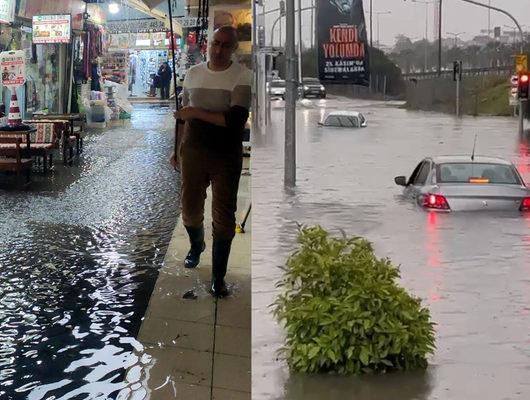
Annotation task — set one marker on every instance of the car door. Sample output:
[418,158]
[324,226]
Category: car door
[418,179]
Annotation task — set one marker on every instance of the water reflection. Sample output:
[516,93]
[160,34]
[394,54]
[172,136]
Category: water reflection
[470,269]
[410,386]
[78,261]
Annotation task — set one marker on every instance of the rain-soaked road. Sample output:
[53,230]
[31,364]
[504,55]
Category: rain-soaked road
[472,270]
[79,257]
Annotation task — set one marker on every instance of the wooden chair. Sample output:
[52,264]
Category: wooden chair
[11,157]
[44,142]
[50,135]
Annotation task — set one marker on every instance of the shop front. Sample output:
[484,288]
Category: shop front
[50,33]
[142,46]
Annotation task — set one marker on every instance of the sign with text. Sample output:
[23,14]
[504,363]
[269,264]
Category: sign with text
[52,29]
[342,42]
[13,66]
[521,63]
[7,11]
[191,22]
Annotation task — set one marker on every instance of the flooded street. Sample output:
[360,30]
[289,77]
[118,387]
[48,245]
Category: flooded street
[471,269]
[80,251]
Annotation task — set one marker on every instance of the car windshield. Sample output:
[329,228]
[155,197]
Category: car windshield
[476,173]
[278,84]
[361,117]
[313,81]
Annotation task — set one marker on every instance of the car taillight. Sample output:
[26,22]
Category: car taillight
[525,204]
[436,201]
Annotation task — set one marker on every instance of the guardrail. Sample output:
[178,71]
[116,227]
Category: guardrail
[508,69]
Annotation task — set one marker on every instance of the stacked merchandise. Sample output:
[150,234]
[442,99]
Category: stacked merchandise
[120,108]
[111,104]
[116,66]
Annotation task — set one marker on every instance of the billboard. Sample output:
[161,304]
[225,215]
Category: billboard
[52,29]
[342,42]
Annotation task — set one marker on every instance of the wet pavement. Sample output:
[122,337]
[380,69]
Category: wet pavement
[80,251]
[472,270]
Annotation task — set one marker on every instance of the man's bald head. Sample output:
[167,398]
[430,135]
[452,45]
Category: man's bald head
[224,43]
[227,32]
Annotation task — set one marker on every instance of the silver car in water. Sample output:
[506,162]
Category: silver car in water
[460,183]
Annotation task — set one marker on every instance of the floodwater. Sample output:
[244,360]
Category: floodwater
[80,251]
[472,270]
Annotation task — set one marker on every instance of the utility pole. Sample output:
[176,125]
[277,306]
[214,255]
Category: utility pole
[371,25]
[313,28]
[489,19]
[440,37]
[290,97]
[300,44]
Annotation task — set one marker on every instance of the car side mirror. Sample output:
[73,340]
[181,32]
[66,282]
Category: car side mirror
[400,180]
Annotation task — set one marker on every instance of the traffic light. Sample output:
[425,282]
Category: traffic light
[523,85]
[457,70]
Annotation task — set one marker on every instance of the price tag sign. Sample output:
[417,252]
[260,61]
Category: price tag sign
[13,67]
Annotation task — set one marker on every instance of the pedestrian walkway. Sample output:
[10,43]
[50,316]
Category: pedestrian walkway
[200,348]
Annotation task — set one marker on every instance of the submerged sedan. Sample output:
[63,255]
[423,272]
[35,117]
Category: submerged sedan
[460,183]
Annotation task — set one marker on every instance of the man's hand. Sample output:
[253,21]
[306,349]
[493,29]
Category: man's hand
[175,162]
[186,113]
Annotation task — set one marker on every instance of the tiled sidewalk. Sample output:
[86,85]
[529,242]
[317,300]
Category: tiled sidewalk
[200,348]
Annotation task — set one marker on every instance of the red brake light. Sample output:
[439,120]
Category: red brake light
[436,201]
[525,204]
[524,78]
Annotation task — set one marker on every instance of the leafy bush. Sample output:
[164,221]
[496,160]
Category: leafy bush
[344,312]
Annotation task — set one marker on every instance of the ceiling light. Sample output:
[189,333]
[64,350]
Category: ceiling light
[114,8]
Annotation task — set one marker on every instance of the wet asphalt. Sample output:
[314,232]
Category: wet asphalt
[471,269]
[80,251]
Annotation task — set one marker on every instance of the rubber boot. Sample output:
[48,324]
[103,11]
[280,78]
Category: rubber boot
[197,246]
[220,254]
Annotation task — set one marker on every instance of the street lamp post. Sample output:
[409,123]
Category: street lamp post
[426,3]
[514,32]
[455,36]
[378,13]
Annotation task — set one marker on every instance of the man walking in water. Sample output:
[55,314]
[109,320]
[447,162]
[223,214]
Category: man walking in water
[216,99]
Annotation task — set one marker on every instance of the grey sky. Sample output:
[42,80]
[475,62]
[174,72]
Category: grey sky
[409,18]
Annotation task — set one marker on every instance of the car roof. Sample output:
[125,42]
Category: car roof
[467,158]
[344,113]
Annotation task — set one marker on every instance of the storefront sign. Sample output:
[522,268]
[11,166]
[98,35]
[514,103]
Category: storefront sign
[191,22]
[13,66]
[51,29]
[7,11]
[135,26]
[31,8]
[342,43]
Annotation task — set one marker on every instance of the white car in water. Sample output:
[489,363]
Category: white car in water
[464,183]
[344,119]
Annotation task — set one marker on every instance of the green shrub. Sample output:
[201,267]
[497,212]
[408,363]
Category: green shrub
[344,312]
